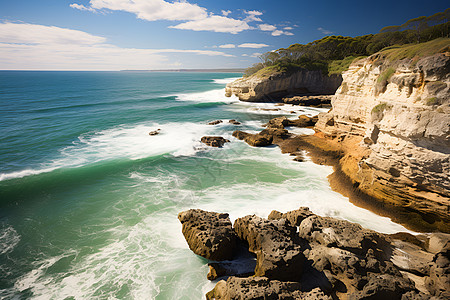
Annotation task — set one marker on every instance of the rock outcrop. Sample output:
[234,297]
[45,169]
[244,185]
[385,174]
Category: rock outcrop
[300,255]
[276,246]
[214,141]
[396,117]
[208,234]
[272,88]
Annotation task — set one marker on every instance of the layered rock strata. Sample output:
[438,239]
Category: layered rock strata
[395,118]
[272,88]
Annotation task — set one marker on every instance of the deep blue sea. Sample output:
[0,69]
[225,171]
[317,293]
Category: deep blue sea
[89,200]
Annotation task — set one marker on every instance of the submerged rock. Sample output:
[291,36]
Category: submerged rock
[214,141]
[154,132]
[208,234]
[215,122]
[234,122]
[255,140]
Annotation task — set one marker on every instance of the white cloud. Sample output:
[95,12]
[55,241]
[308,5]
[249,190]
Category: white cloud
[267,27]
[252,45]
[20,33]
[244,54]
[252,16]
[324,31]
[227,46]
[226,12]
[288,28]
[256,54]
[82,7]
[37,47]
[216,24]
[277,32]
[152,10]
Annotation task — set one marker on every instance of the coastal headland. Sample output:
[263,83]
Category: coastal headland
[387,138]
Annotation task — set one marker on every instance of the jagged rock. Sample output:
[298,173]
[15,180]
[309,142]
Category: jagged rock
[295,217]
[275,132]
[279,122]
[276,245]
[343,234]
[439,281]
[255,140]
[234,122]
[438,242]
[155,132]
[208,234]
[315,101]
[214,141]
[302,121]
[383,286]
[215,122]
[241,267]
[261,288]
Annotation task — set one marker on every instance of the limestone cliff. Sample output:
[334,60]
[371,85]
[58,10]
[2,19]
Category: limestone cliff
[397,113]
[257,88]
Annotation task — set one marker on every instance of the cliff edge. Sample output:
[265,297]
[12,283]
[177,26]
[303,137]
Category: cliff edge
[269,87]
[391,118]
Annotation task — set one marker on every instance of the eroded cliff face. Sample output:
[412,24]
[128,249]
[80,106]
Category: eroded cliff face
[397,113]
[256,89]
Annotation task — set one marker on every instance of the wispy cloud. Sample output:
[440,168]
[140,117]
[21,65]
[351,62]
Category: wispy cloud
[253,45]
[226,12]
[288,28]
[324,31]
[274,30]
[227,46]
[252,16]
[82,7]
[39,47]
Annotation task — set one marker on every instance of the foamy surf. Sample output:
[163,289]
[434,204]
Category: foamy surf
[212,96]
[124,142]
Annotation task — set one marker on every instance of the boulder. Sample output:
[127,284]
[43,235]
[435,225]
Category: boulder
[439,281]
[279,122]
[208,234]
[343,234]
[255,140]
[215,122]
[155,132]
[438,242]
[276,246]
[295,217]
[214,141]
[234,122]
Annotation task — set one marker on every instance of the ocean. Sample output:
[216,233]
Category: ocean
[89,200]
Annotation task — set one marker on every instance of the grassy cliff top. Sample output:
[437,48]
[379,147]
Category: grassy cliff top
[397,52]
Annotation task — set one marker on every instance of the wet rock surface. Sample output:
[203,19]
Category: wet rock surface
[214,141]
[300,255]
[208,234]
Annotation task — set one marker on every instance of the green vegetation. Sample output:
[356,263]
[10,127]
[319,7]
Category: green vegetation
[379,108]
[333,54]
[386,75]
[438,45]
[432,101]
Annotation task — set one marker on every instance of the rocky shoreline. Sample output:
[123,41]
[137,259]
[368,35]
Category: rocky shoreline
[387,138]
[299,255]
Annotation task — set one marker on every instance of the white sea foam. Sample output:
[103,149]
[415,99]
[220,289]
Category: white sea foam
[212,96]
[274,109]
[9,238]
[225,80]
[131,142]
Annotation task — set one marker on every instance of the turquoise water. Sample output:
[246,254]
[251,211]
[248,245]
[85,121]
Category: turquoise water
[89,201]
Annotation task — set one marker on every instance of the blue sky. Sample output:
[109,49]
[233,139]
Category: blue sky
[159,34]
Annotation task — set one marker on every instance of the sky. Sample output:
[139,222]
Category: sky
[165,34]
